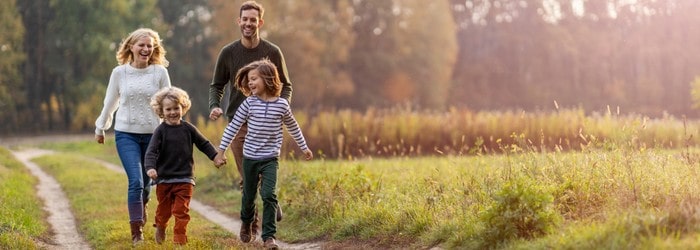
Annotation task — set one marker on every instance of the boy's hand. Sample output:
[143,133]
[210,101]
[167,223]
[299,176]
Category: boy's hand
[308,155]
[152,173]
[220,159]
[218,163]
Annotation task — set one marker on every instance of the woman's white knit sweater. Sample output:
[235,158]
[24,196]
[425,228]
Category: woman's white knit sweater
[129,94]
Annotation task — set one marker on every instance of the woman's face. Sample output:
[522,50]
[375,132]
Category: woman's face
[142,50]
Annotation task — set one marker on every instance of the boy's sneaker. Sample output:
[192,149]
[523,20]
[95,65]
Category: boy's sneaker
[270,244]
[245,232]
[160,234]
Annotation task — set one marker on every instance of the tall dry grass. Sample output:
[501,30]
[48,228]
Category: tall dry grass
[399,132]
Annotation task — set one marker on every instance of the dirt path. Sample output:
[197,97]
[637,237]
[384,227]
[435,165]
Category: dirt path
[61,218]
[224,221]
[63,222]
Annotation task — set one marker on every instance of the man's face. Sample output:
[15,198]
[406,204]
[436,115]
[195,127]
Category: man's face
[250,23]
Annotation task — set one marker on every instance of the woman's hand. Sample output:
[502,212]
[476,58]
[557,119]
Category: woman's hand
[100,139]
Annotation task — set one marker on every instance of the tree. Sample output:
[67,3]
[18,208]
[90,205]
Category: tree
[590,54]
[35,17]
[404,52]
[11,94]
[316,47]
[188,41]
[71,48]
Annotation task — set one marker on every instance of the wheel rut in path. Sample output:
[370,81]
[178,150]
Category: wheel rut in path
[60,218]
[232,225]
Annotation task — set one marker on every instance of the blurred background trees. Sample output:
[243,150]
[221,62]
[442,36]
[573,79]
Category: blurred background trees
[358,54]
[12,97]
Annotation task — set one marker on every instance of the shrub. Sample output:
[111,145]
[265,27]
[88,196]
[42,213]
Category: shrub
[521,210]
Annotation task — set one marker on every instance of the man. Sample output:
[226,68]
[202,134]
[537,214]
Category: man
[231,58]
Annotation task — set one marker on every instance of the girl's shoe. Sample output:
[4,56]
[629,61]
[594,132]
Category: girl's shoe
[244,234]
[270,244]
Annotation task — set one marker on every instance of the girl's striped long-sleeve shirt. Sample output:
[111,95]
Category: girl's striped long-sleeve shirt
[265,120]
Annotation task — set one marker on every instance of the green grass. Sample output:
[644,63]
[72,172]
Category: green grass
[98,200]
[460,201]
[21,215]
[616,196]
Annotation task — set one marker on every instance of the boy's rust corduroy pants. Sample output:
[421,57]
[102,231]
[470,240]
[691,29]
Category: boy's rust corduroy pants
[174,200]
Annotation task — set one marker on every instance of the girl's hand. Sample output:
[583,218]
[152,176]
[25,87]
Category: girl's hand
[308,155]
[220,158]
[152,173]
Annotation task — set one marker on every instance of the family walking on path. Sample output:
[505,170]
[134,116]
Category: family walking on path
[140,93]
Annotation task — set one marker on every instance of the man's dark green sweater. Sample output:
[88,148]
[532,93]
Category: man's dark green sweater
[235,56]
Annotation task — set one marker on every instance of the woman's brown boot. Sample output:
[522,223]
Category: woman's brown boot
[136,232]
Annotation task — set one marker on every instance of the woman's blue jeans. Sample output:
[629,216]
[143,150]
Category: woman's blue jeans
[132,149]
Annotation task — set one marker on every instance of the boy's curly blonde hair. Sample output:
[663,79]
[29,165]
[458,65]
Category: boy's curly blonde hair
[174,94]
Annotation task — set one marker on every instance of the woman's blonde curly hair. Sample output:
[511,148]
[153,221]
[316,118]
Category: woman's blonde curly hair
[125,56]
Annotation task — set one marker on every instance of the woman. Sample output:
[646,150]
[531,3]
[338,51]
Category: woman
[140,74]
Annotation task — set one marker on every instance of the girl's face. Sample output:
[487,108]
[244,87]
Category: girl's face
[172,112]
[141,50]
[257,84]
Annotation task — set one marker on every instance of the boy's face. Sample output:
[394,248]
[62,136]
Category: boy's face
[172,112]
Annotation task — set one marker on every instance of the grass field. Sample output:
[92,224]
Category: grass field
[632,185]
[98,199]
[618,197]
[21,224]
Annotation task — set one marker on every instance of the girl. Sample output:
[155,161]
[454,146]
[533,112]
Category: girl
[265,112]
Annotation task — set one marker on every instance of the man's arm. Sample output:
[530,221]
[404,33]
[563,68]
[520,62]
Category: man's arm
[281,65]
[219,80]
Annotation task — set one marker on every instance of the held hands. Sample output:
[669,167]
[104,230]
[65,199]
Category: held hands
[308,155]
[215,114]
[220,159]
[152,173]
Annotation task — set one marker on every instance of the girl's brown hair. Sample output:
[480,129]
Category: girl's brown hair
[124,55]
[267,71]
